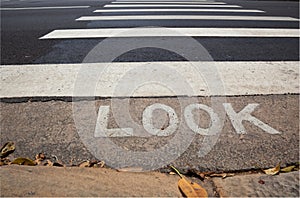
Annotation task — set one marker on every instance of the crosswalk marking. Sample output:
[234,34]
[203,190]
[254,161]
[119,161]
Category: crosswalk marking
[178,10]
[169,5]
[187,17]
[141,1]
[45,8]
[166,2]
[153,32]
[239,78]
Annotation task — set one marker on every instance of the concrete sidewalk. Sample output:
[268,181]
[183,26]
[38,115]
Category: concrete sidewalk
[101,182]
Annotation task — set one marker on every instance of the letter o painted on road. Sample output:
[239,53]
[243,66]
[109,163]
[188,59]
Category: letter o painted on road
[214,126]
[148,121]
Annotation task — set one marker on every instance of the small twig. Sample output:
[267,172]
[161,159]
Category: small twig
[177,171]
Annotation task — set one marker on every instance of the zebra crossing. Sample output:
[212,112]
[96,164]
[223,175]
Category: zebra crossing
[126,12]
[172,6]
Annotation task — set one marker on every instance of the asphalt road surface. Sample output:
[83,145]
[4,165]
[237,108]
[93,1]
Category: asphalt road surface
[210,85]
[21,30]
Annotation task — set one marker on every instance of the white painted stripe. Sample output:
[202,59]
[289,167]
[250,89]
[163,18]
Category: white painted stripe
[169,5]
[186,17]
[239,78]
[165,2]
[177,10]
[44,8]
[141,1]
[152,32]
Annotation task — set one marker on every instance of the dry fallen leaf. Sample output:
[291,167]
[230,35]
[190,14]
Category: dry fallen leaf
[48,163]
[131,169]
[85,164]
[223,175]
[191,189]
[201,175]
[39,158]
[273,171]
[4,161]
[100,164]
[57,162]
[7,148]
[188,188]
[287,169]
[23,161]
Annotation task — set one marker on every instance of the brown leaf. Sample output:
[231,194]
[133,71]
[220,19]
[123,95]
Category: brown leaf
[23,161]
[48,163]
[57,162]
[85,164]
[4,161]
[7,148]
[201,175]
[287,169]
[190,189]
[131,169]
[223,175]
[100,164]
[273,171]
[39,158]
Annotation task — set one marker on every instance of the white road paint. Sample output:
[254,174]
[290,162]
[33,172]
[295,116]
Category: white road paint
[169,5]
[245,115]
[102,130]
[214,119]
[177,10]
[153,32]
[148,120]
[236,120]
[162,1]
[168,2]
[186,17]
[44,8]
[239,78]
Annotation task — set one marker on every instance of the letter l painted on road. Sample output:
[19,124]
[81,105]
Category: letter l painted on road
[102,124]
